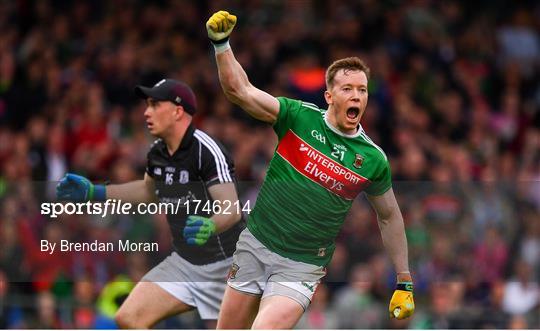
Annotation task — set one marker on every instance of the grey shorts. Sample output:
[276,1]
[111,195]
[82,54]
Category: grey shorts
[200,286]
[257,270]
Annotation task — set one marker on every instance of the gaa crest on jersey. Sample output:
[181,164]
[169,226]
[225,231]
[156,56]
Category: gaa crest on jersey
[358,161]
[184,177]
[232,272]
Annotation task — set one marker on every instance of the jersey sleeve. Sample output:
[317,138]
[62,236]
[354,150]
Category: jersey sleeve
[288,112]
[382,182]
[148,170]
[151,169]
[216,166]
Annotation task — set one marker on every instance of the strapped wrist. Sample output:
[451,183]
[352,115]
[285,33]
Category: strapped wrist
[405,286]
[220,41]
[90,196]
[99,193]
[221,46]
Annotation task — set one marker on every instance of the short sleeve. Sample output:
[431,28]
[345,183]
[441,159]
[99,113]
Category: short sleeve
[151,157]
[382,182]
[288,111]
[148,170]
[216,166]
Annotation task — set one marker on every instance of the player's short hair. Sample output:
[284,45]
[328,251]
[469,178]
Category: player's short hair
[347,64]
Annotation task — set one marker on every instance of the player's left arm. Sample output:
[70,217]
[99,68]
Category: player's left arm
[392,230]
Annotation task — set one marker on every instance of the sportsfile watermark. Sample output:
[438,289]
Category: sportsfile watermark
[111,207]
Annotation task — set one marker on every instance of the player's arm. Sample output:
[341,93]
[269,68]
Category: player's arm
[392,230]
[74,187]
[138,191]
[232,76]
[225,200]
[226,197]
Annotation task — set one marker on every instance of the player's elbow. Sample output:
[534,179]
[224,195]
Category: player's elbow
[383,221]
[386,218]
[235,88]
[129,320]
[390,221]
[235,94]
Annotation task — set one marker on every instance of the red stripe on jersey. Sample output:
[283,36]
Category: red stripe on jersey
[319,168]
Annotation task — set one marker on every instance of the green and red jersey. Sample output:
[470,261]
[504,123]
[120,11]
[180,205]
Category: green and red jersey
[314,176]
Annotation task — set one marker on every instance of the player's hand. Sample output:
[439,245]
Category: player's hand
[78,188]
[198,230]
[402,302]
[220,26]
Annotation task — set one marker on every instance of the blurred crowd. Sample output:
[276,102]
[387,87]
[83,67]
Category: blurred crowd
[454,102]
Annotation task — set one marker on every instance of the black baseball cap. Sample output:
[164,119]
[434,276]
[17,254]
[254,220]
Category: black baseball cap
[171,90]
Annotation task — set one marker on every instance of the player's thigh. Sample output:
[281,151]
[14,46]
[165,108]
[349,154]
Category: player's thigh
[294,279]
[278,312]
[246,281]
[238,309]
[147,304]
[287,294]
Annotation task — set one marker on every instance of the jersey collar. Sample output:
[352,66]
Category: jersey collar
[336,131]
[188,137]
[184,144]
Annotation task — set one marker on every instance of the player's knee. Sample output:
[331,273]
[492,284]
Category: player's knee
[122,319]
[267,321]
[128,320]
[267,324]
[283,313]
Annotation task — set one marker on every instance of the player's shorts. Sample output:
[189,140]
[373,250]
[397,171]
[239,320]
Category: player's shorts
[200,286]
[258,271]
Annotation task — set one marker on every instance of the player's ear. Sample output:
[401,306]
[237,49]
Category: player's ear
[179,112]
[328,97]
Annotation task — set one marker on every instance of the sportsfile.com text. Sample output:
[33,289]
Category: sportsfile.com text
[119,207]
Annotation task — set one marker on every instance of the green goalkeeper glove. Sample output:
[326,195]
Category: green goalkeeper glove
[198,230]
[220,26]
[73,187]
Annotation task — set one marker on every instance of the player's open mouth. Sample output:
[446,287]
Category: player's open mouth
[352,112]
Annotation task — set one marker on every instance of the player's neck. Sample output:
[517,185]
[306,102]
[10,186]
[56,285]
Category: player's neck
[331,118]
[174,138]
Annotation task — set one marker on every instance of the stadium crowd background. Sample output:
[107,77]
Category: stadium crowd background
[454,102]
